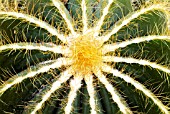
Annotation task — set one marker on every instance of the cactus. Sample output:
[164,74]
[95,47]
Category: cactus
[84,56]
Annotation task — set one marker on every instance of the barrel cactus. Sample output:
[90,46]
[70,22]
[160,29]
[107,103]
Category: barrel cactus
[84,56]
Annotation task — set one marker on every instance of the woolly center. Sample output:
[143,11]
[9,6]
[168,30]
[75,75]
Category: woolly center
[86,54]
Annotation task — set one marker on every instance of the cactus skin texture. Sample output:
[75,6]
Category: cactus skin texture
[84,57]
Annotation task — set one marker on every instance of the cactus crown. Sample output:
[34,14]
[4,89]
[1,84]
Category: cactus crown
[86,54]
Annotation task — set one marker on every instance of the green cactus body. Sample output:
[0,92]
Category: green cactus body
[84,56]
